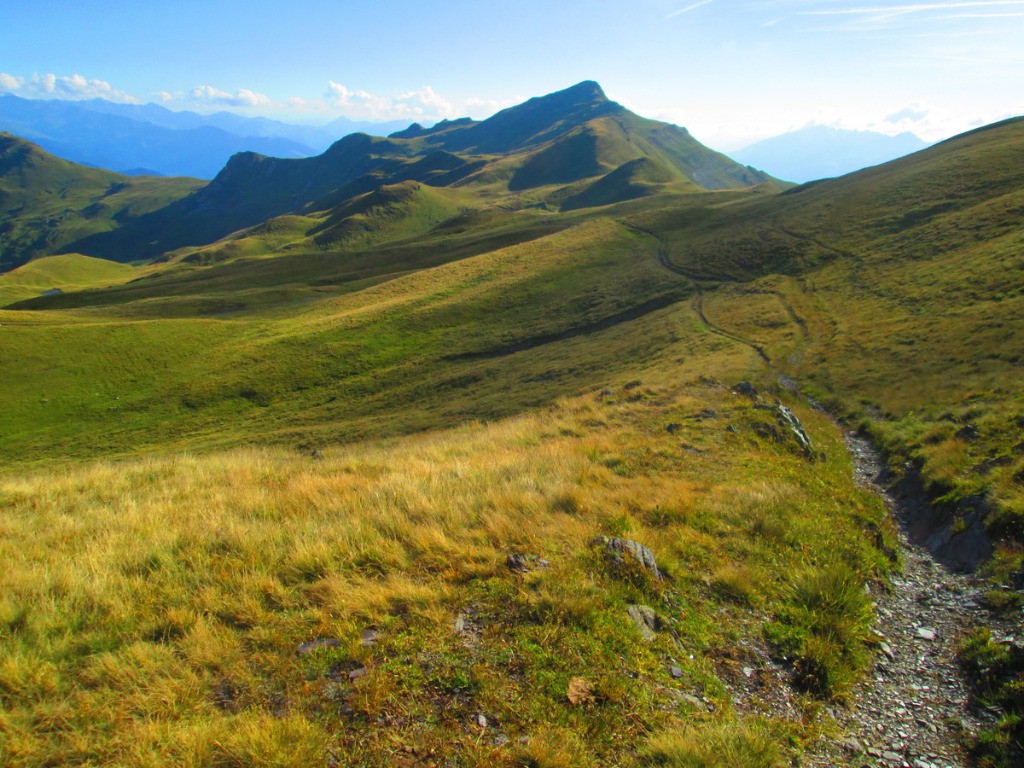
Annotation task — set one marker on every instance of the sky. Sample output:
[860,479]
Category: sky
[731,71]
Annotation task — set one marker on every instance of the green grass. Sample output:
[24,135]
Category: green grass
[480,376]
[152,608]
[68,272]
[335,364]
[47,203]
[894,295]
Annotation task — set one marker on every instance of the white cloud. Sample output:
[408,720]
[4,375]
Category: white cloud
[10,82]
[423,103]
[207,94]
[75,88]
[483,108]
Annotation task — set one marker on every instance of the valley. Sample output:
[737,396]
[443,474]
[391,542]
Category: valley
[311,464]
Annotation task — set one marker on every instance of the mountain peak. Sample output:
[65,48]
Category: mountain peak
[588,90]
[533,122]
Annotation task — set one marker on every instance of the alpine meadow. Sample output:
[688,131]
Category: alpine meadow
[532,441]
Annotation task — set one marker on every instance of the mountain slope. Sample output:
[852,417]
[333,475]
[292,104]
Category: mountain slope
[536,147]
[47,203]
[818,152]
[895,294]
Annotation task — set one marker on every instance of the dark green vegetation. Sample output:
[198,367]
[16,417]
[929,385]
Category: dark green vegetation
[481,271]
[47,203]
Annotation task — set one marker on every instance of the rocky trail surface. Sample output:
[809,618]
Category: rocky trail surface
[913,709]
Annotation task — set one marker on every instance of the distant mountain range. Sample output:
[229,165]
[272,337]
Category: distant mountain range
[818,152]
[150,139]
[564,151]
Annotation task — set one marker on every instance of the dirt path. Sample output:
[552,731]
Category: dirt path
[912,709]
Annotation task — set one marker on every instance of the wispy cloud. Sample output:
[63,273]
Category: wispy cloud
[892,11]
[72,88]
[207,94]
[688,8]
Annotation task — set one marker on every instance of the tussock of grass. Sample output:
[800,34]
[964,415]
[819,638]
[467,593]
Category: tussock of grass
[725,745]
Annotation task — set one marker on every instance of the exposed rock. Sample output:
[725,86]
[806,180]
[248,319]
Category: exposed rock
[789,421]
[518,564]
[676,672]
[745,388]
[355,674]
[467,627]
[626,550]
[369,637]
[693,701]
[525,563]
[312,646]
[645,619]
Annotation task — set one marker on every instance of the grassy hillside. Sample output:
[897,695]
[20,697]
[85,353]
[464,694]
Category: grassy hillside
[334,428]
[268,608]
[385,352]
[69,272]
[900,302]
[47,203]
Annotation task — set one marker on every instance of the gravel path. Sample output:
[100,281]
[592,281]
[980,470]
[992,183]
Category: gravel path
[912,709]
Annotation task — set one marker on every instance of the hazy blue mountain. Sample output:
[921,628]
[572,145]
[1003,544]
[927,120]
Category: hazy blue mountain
[117,143]
[819,152]
[315,137]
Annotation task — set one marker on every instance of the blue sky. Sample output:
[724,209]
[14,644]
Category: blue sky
[732,71]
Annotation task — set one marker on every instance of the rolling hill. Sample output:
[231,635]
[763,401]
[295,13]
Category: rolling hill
[47,203]
[343,483]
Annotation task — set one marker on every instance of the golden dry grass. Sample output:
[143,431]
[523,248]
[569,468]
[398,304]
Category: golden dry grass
[152,608]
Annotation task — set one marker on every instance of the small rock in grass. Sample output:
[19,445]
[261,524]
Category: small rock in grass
[311,646]
[518,563]
[355,674]
[852,746]
[369,637]
[645,619]
[745,388]
[622,550]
